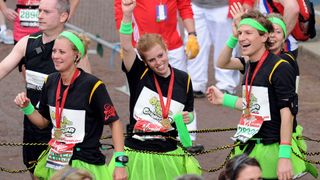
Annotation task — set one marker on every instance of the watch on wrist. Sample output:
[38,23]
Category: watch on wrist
[192,33]
[122,159]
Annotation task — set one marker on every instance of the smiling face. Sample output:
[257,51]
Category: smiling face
[63,55]
[49,16]
[157,59]
[250,173]
[250,41]
[276,39]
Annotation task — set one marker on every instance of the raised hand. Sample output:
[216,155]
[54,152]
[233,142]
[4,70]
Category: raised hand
[21,100]
[237,11]
[128,7]
[214,95]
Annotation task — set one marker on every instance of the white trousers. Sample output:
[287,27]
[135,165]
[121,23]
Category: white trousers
[213,28]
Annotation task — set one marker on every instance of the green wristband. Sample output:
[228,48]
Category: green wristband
[285,151]
[229,100]
[117,154]
[191,118]
[28,109]
[126,28]
[232,42]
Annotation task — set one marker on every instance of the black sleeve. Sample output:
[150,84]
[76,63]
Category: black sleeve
[283,82]
[43,105]
[189,106]
[243,62]
[103,106]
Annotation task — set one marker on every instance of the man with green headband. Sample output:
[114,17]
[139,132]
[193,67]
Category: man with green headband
[268,129]
[36,50]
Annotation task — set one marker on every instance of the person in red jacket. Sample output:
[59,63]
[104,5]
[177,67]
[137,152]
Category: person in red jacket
[213,24]
[160,17]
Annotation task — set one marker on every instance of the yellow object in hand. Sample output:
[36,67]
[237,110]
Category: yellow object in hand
[192,46]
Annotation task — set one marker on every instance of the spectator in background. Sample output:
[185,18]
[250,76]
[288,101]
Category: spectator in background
[154,16]
[6,35]
[241,167]
[213,27]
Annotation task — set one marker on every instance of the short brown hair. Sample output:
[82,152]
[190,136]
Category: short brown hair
[147,41]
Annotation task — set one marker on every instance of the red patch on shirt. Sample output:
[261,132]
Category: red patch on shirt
[109,111]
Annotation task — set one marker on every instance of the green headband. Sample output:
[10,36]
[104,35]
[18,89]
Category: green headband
[253,23]
[279,22]
[75,40]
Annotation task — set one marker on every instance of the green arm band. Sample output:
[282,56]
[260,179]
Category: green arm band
[117,154]
[285,151]
[126,28]
[182,130]
[191,118]
[28,109]
[232,42]
[229,100]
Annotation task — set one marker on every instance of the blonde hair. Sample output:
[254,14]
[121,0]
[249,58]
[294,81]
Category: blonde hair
[148,41]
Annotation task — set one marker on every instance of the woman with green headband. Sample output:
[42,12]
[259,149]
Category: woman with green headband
[277,40]
[78,105]
[267,129]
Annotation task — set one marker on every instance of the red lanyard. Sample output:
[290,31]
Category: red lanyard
[165,108]
[248,89]
[59,107]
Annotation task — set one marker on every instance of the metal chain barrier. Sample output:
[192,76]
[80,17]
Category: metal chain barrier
[187,153]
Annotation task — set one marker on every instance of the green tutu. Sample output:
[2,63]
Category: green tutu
[267,156]
[145,166]
[99,172]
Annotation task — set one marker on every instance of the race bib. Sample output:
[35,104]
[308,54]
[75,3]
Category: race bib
[35,80]
[29,17]
[59,154]
[248,126]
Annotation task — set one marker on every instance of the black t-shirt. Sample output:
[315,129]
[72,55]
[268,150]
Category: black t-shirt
[280,86]
[38,63]
[144,103]
[86,110]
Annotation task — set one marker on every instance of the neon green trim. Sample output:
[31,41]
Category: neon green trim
[74,39]
[279,22]
[182,130]
[229,100]
[285,151]
[28,110]
[253,23]
[35,37]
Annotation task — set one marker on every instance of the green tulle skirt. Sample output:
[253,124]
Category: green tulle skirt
[144,166]
[99,172]
[267,156]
